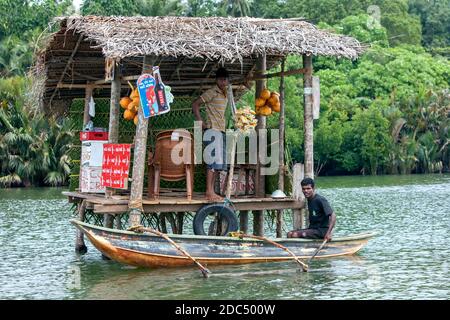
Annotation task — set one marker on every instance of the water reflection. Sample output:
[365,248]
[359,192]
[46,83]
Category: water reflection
[407,260]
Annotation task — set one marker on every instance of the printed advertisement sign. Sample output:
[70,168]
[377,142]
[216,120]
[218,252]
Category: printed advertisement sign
[116,165]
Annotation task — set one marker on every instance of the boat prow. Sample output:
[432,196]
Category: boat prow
[148,250]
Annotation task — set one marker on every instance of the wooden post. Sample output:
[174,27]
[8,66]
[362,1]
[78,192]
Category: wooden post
[297,194]
[162,222]
[140,148]
[258,215]
[243,221]
[281,154]
[308,116]
[114,107]
[113,130]
[117,221]
[87,98]
[80,246]
[180,220]
[108,221]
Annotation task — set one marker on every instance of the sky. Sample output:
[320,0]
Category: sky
[77,3]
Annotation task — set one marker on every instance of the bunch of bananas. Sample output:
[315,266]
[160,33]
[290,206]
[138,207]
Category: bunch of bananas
[245,120]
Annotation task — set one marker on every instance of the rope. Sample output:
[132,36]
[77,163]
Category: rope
[141,229]
[242,235]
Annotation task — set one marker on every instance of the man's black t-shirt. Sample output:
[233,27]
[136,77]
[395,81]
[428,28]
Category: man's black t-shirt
[319,212]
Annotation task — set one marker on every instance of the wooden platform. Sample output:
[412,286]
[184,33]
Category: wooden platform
[175,201]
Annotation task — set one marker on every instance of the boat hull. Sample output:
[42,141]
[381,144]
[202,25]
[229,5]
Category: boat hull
[148,250]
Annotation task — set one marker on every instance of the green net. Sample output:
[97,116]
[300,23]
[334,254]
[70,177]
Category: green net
[180,116]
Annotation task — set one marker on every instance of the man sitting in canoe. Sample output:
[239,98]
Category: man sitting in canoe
[322,219]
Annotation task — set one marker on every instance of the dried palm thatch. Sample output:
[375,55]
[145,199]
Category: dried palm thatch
[187,50]
[222,39]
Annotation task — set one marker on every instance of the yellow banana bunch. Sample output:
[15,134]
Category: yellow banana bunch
[244,119]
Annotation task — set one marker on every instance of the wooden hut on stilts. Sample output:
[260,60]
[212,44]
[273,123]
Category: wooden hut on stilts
[95,56]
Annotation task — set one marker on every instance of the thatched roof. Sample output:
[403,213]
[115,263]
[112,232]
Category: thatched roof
[186,48]
[223,39]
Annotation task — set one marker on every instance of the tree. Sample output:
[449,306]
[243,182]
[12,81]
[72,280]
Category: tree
[371,133]
[435,20]
[15,56]
[268,9]
[364,28]
[329,11]
[401,27]
[18,17]
[33,147]
[109,7]
[159,7]
[237,8]
[202,8]
[328,138]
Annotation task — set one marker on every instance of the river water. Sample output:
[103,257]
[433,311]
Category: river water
[409,259]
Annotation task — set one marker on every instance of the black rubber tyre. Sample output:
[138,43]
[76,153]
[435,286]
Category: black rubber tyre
[226,214]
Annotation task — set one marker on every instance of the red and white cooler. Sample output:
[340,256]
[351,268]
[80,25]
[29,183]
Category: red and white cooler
[91,161]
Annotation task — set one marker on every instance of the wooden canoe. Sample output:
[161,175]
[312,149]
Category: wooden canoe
[148,250]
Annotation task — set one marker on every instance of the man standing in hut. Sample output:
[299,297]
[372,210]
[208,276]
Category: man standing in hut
[322,219]
[215,100]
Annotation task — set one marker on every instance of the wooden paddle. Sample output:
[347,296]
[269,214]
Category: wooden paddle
[242,235]
[141,229]
[316,252]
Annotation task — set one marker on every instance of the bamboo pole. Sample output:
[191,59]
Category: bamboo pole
[114,108]
[281,150]
[140,146]
[278,74]
[231,170]
[113,130]
[86,118]
[80,246]
[258,215]
[87,97]
[308,117]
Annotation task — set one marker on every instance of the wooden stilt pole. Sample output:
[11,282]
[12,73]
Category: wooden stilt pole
[243,221]
[118,222]
[113,131]
[114,116]
[281,170]
[140,146]
[258,215]
[308,116]
[80,246]
[180,220]
[162,222]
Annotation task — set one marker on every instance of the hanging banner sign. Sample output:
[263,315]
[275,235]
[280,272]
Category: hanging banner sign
[155,96]
[146,87]
[116,165]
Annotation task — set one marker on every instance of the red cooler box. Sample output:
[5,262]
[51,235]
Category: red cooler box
[93,135]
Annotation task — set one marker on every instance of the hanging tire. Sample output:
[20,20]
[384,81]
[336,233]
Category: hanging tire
[225,214]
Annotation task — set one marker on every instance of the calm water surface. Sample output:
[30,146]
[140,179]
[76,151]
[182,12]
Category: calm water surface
[408,260]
